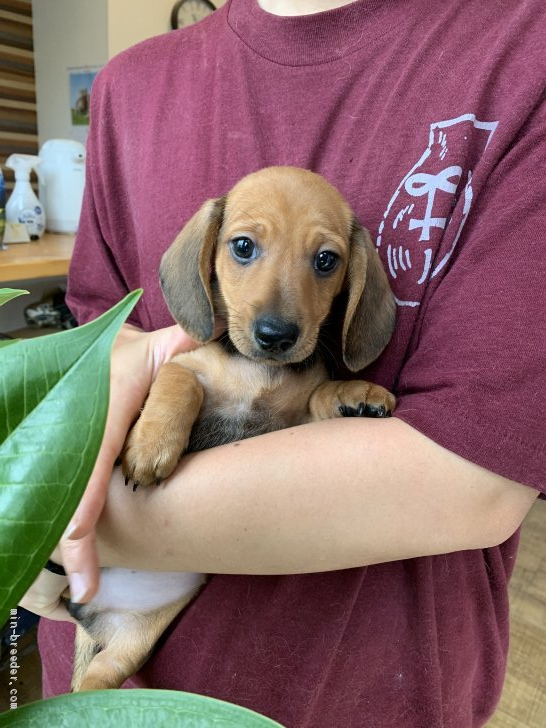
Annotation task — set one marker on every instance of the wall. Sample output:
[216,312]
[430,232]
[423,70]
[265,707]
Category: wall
[67,33]
[130,22]
[83,33]
[75,34]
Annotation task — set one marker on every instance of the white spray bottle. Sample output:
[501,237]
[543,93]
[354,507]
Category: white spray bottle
[23,206]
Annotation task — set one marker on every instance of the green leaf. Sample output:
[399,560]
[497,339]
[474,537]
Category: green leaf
[6,294]
[134,709]
[7,342]
[53,404]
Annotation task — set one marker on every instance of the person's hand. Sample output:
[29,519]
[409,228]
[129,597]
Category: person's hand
[44,597]
[136,359]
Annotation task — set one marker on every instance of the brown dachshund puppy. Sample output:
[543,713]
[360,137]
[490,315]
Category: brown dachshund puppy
[273,258]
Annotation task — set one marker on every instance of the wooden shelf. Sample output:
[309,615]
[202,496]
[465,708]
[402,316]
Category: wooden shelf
[45,258]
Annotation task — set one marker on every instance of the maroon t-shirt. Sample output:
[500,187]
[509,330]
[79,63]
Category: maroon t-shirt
[429,116]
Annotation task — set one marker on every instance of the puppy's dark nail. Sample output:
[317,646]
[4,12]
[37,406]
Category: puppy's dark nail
[127,480]
[158,480]
[347,411]
[135,485]
[373,411]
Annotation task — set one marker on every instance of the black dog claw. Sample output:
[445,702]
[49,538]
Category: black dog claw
[127,480]
[364,410]
[135,485]
[373,411]
[347,411]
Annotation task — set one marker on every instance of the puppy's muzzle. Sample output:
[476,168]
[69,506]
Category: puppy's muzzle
[275,335]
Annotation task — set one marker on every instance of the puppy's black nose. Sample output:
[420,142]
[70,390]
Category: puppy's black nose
[275,335]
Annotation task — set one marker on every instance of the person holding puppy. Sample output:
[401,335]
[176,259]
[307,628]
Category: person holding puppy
[360,566]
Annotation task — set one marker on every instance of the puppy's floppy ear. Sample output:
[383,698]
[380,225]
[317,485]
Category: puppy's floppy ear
[185,271]
[371,309]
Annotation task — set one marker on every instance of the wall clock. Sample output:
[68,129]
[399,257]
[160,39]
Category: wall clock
[187,12]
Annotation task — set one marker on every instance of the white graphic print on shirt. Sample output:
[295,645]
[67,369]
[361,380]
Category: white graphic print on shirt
[432,201]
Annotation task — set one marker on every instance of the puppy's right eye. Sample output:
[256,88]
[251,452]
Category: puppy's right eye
[243,249]
[326,261]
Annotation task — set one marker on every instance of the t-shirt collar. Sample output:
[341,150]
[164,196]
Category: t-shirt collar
[314,39]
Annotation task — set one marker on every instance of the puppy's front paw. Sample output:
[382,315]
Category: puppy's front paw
[161,434]
[351,399]
[364,399]
[151,453]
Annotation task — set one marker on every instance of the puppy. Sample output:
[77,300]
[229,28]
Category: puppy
[276,258]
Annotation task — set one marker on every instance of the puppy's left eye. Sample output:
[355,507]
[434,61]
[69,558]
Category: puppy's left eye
[243,249]
[326,261]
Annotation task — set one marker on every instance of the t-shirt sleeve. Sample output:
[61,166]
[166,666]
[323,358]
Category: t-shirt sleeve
[95,280]
[475,380]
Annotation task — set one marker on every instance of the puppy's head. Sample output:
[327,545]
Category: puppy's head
[271,257]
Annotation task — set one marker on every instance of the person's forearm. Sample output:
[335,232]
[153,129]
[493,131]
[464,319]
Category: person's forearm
[330,495]
[128,332]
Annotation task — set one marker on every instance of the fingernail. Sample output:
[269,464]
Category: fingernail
[69,530]
[78,586]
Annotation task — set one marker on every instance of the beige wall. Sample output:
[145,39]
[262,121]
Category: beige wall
[130,21]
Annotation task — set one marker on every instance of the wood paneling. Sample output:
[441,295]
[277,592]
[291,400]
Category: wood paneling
[18,122]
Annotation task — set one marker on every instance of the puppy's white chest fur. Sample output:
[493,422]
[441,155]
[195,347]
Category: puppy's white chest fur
[244,398]
[241,382]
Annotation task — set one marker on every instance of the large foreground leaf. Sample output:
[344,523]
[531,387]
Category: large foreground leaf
[133,709]
[53,405]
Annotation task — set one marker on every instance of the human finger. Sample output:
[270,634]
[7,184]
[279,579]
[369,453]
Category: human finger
[44,597]
[80,561]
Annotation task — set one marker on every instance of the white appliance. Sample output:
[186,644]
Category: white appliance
[61,182]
